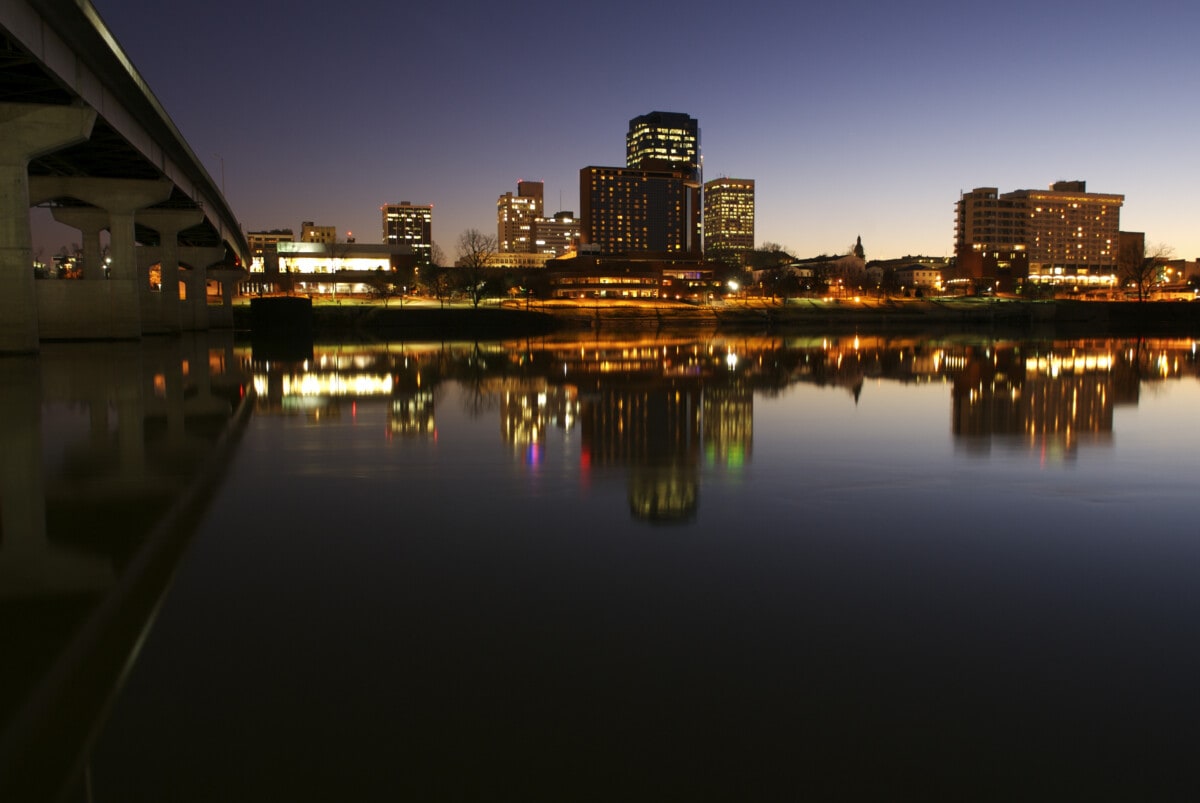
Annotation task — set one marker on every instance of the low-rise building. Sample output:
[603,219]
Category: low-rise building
[592,275]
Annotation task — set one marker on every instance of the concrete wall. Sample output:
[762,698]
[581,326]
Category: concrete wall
[73,310]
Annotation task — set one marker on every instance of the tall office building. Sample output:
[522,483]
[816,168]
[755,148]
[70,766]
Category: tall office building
[664,141]
[626,210]
[556,235]
[411,225]
[728,219]
[1062,231]
[516,216]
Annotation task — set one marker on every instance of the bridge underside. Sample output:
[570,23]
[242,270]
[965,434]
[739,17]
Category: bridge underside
[127,172]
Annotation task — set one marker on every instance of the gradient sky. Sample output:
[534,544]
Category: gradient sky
[854,118]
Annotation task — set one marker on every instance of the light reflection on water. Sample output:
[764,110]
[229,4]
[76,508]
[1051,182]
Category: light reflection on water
[643,568]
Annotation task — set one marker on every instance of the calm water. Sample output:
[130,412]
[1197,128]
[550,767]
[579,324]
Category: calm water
[655,568]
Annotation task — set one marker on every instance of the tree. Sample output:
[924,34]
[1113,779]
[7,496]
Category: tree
[889,283]
[475,249]
[383,286]
[436,282]
[770,255]
[1139,266]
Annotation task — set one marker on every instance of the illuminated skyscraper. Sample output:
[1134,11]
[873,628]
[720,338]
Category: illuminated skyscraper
[728,218]
[516,216]
[411,225]
[628,210]
[664,141]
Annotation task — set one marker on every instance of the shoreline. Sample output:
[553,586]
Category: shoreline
[1011,316]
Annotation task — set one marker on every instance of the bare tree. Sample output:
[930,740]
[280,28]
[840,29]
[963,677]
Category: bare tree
[382,285]
[475,249]
[1140,266]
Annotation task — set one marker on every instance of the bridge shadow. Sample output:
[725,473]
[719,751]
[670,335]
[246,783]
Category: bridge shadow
[112,454]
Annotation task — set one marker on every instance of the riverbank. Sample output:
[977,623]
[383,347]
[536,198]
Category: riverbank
[1060,317]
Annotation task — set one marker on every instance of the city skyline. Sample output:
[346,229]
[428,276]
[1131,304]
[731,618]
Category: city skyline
[849,128]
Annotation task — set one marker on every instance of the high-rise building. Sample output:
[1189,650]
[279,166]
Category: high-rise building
[312,233]
[664,141]
[406,224]
[1063,231]
[627,210]
[556,235]
[728,218]
[516,216]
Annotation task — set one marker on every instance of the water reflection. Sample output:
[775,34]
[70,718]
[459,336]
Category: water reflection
[434,577]
[103,446]
[661,408]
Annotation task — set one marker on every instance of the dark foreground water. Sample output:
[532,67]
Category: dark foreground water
[665,569]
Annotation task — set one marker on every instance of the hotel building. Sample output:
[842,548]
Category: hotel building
[628,210]
[1063,234]
[410,225]
[728,219]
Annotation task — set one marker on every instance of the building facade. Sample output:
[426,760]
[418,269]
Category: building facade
[629,210]
[261,242]
[557,235]
[584,275]
[664,141]
[728,219]
[406,224]
[312,233]
[516,216]
[1063,233]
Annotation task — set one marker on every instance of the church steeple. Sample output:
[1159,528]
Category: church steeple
[858,249]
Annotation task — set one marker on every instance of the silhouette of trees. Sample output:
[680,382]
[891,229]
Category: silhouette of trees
[475,249]
[1140,266]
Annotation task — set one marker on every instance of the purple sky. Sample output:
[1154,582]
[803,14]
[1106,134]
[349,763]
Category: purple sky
[853,118]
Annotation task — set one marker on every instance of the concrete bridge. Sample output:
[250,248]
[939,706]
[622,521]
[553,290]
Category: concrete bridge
[81,132]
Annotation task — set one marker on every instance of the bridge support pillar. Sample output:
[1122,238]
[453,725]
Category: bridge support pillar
[168,223]
[222,318]
[109,309]
[195,309]
[26,132]
[90,222]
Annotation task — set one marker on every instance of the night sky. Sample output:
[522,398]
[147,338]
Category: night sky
[853,118]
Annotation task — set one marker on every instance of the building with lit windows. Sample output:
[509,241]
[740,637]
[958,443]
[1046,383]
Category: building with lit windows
[262,242]
[728,219]
[590,274]
[516,216]
[1063,234]
[630,210]
[312,233]
[258,240]
[557,235]
[664,141]
[406,224]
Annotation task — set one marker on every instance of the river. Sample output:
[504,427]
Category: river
[652,567]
